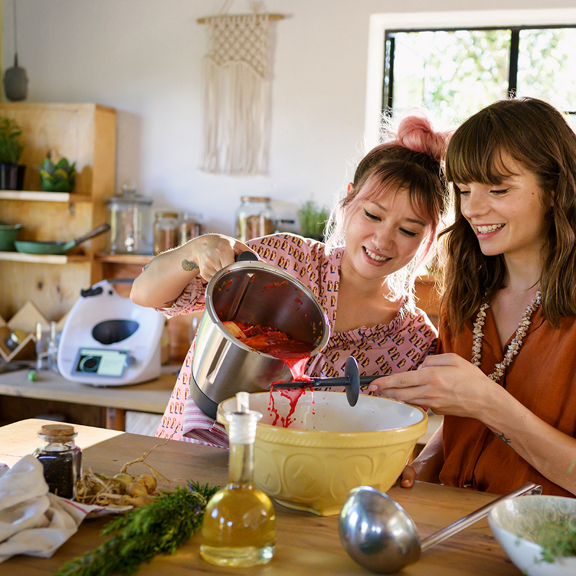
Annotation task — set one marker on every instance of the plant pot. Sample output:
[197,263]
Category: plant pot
[12,176]
[8,235]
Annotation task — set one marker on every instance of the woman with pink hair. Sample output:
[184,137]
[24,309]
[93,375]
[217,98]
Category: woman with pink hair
[379,233]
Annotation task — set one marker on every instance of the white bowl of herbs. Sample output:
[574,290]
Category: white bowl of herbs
[538,533]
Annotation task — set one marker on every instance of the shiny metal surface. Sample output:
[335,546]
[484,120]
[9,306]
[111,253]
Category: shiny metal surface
[380,535]
[377,532]
[255,293]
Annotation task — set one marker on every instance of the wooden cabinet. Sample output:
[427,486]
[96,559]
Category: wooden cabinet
[85,134]
[428,297]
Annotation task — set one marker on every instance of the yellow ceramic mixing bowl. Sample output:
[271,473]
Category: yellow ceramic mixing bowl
[329,447]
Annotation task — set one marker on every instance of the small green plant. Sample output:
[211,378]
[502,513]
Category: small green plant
[10,145]
[59,177]
[312,220]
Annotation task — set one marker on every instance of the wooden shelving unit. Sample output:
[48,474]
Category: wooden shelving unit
[125,259]
[43,258]
[85,134]
[43,196]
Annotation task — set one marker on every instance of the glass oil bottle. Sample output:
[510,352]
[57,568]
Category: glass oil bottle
[239,526]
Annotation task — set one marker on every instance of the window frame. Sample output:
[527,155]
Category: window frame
[380,22]
[389,50]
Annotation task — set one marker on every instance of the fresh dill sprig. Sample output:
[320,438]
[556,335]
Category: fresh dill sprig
[158,528]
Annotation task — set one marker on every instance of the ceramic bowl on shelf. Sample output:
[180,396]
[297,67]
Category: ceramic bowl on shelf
[329,446]
[515,524]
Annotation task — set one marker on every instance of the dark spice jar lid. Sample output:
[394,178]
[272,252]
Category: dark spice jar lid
[57,431]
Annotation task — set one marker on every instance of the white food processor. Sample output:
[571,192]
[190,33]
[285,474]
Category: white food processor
[107,340]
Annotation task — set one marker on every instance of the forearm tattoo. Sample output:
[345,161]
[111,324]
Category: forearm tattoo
[503,438]
[189,266]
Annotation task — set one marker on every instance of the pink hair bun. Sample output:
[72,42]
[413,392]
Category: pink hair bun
[414,131]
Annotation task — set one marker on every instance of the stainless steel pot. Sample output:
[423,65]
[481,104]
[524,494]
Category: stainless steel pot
[255,293]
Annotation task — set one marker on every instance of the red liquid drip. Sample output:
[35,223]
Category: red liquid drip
[297,367]
[294,353]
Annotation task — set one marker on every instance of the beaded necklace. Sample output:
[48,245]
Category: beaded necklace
[513,347]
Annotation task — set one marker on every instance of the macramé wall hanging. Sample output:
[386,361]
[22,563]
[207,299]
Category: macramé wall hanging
[237,77]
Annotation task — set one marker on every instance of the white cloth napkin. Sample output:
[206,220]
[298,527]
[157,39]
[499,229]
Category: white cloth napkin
[202,429]
[32,520]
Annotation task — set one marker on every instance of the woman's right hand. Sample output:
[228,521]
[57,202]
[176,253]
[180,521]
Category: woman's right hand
[212,252]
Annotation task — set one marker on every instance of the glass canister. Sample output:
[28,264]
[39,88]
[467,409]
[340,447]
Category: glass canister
[190,226]
[166,223]
[254,218]
[60,458]
[130,222]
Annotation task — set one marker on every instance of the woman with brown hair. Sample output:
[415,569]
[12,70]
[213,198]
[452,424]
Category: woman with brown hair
[505,374]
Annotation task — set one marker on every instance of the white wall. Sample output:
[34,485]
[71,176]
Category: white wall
[144,58]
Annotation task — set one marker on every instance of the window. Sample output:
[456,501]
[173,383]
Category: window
[456,72]
[532,68]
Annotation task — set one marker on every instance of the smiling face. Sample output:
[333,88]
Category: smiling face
[508,218]
[383,235]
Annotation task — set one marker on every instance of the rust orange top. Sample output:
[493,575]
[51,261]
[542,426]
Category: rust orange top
[542,377]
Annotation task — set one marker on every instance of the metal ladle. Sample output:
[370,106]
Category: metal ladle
[351,380]
[380,535]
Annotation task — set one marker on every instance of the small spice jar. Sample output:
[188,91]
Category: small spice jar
[165,231]
[60,458]
[254,218]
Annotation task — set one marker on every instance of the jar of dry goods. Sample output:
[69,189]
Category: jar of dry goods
[60,458]
[254,218]
[165,230]
[190,226]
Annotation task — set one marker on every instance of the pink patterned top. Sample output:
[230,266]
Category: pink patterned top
[383,349]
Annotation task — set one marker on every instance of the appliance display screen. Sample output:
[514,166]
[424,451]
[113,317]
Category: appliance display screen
[111,363]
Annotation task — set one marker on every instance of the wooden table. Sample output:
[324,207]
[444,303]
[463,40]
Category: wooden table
[150,396]
[306,544]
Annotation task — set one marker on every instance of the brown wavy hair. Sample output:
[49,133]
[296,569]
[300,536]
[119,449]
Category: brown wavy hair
[536,135]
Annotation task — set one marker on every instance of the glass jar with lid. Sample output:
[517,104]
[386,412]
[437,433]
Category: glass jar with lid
[60,458]
[130,222]
[254,218]
[166,224]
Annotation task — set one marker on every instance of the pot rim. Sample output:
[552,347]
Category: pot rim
[209,307]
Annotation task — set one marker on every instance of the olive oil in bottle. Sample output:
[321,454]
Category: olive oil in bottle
[239,526]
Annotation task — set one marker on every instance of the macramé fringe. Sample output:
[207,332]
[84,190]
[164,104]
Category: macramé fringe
[237,119]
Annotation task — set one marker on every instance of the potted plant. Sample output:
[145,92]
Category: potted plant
[312,220]
[11,172]
[59,177]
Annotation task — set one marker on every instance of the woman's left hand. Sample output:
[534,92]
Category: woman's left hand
[446,383]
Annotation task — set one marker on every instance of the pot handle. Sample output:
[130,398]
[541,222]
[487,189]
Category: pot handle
[246,256]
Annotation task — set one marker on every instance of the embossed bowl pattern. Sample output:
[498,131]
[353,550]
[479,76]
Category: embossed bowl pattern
[329,446]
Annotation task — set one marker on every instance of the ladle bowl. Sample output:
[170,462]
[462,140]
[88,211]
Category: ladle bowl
[380,535]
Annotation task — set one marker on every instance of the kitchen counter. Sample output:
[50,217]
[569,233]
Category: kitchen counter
[151,397]
[306,544]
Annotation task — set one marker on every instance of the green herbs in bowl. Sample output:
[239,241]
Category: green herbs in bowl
[538,533]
